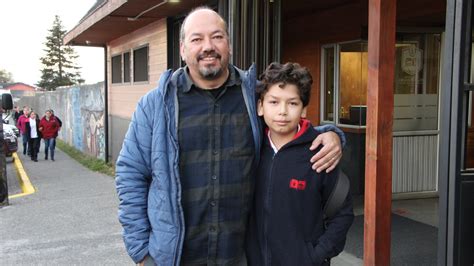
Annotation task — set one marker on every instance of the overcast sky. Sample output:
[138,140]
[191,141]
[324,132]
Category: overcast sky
[24,25]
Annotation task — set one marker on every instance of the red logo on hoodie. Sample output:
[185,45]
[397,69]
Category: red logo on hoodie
[297,184]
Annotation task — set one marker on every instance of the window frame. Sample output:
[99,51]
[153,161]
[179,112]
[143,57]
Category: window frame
[337,91]
[120,71]
[323,83]
[129,68]
[147,81]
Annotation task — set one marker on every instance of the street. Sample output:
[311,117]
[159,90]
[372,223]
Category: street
[70,219]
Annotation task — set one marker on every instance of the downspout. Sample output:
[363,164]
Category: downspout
[106,106]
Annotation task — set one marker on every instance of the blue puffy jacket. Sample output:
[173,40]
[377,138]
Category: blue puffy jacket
[147,173]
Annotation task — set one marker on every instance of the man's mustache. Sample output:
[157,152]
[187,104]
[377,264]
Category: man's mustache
[208,54]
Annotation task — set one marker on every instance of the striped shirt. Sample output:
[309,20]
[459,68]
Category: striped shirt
[217,167]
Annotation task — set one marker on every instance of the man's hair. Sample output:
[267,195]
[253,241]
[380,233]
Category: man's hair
[181,30]
[289,73]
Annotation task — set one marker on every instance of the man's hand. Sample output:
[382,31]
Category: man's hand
[330,155]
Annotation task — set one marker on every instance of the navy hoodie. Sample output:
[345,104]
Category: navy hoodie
[287,225]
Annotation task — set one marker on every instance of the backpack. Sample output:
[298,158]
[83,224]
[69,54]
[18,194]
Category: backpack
[59,121]
[337,196]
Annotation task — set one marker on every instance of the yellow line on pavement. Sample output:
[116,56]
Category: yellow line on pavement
[25,183]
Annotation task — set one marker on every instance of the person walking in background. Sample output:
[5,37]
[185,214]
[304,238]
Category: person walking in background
[49,127]
[16,114]
[33,135]
[60,123]
[21,126]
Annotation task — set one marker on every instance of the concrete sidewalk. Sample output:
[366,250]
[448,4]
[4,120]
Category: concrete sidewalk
[70,219]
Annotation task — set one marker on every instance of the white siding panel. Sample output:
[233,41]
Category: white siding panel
[414,163]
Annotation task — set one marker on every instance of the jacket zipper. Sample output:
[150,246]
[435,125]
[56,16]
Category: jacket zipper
[267,255]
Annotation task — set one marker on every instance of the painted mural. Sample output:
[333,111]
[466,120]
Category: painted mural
[81,109]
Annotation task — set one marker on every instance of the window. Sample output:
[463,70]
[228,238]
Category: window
[121,66]
[352,83]
[416,82]
[140,64]
[117,69]
[344,81]
[344,73]
[126,67]
[174,56]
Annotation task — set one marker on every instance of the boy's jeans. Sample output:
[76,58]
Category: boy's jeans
[51,144]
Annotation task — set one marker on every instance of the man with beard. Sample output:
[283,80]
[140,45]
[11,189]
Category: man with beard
[186,172]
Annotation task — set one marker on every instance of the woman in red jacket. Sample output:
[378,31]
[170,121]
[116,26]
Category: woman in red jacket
[49,128]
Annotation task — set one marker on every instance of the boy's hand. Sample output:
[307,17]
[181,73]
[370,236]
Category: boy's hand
[330,155]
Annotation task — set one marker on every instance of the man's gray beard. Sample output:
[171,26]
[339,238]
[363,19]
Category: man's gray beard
[210,73]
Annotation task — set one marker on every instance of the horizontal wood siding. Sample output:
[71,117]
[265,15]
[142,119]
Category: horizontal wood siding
[123,98]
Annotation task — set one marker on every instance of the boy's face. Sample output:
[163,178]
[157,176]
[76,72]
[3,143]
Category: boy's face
[282,109]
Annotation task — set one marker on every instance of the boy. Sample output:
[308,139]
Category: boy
[288,227]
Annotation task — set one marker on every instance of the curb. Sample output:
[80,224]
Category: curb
[23,178]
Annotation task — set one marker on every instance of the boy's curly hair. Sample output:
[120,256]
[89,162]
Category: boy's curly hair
[289,73]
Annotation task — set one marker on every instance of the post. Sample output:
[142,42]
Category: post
[378,164]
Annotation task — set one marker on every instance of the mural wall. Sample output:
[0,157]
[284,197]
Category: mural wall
[81,109]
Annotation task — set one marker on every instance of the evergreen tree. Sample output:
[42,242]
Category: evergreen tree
[59,68]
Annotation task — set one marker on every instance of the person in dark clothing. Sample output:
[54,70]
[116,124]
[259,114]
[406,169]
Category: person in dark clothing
[33,135]
[16,114]
[287,226]
[57,118]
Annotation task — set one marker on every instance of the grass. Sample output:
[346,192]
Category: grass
[88,161]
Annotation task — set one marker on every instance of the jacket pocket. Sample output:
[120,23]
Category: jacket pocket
[314,258]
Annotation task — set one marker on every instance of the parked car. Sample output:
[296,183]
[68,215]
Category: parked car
[10,137]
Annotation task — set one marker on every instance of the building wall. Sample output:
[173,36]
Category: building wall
[303,36]
[118,127]
[19,90]
[81,110]
[20,87]
[123,98]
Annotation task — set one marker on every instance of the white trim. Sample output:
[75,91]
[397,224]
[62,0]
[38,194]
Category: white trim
[415,195]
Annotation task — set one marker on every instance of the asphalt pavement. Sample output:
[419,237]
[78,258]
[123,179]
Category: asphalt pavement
[71,219]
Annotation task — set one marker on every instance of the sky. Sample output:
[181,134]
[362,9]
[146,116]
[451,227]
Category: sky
[24,25]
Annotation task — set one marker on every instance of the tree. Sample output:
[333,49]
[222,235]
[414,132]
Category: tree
[5,76]
[59,68]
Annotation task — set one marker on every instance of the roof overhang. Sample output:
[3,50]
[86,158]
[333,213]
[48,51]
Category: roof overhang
[115,18]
